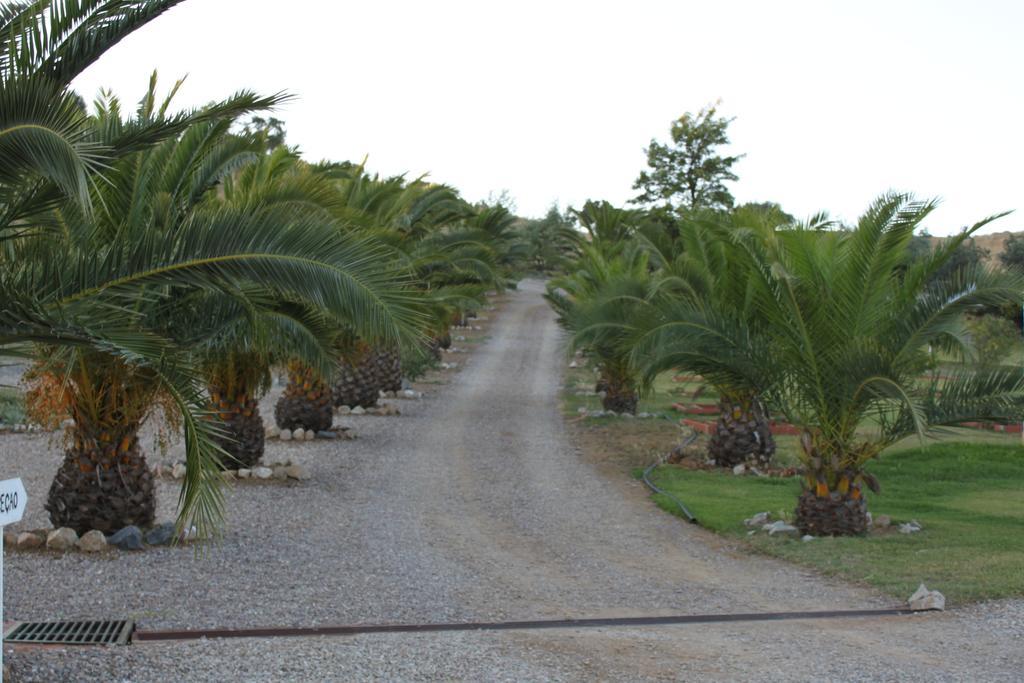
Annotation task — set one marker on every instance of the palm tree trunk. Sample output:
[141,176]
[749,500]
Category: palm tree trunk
[240,413]
[743,433]
[620,393]
[104,482]
[830,513]
[306,401]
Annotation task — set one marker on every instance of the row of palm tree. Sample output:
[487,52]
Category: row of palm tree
[831,327]
[158,262]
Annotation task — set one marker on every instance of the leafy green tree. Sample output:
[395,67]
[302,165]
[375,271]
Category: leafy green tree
[688,173]
[1012,255]
[269,128]
[550,241]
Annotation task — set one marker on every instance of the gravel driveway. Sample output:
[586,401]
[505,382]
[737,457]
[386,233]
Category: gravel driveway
[471,505]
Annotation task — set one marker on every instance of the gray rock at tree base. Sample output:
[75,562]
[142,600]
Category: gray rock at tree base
[911,527]
[882,522]
[739,469]
[780,528]
[406,384]
[358,410]
[343,410]
[285,435]
[924,599]
[299,434]
[178,471]
[128,538]
[310,435]
[228,475]
[27,540]
[272,432]
[807,538]
[244,473]
[280,473]
[758,520]
[61,539]
[325,434]
[262,472]
[10,539]
[161,534]
[297,472]
[93,542]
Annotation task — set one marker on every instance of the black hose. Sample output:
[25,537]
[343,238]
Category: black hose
[654,487]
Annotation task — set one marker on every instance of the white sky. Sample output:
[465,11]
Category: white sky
[834,102]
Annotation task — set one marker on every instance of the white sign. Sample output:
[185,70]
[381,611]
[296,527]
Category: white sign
[12,508]
[12,501]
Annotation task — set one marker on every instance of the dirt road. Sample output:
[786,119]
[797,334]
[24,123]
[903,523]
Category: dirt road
[474,505]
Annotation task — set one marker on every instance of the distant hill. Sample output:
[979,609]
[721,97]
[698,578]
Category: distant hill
[993,242]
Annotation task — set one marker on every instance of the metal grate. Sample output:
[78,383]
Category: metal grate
[71,632]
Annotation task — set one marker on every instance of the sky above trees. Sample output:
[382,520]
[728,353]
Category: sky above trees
[833,102]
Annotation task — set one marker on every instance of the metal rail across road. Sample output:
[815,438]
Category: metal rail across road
[609,622]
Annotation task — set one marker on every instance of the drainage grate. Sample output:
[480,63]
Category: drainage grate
[71,632]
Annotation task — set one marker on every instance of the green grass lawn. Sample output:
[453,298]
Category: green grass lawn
[969,497]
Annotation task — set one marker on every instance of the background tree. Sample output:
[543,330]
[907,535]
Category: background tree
[1012,255]
[550,241]
[689,174]
[270,128]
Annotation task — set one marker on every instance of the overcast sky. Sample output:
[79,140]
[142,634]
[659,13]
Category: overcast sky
[834,102]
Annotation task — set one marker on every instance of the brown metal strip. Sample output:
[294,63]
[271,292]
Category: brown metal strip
[611,622]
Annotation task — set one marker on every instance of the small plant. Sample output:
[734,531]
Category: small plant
[12,406]
[417,361]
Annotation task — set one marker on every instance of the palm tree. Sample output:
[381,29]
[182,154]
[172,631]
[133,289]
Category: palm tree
[49,152]
[597,303]
[158,245]
[841,347]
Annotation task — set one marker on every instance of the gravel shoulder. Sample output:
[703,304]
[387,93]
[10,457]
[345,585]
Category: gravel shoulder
[473,504]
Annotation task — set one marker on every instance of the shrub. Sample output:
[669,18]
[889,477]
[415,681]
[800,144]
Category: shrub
[994,337]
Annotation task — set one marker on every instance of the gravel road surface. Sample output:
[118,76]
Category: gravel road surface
[472,505]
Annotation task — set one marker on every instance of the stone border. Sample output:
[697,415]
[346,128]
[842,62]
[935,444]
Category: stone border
[130,538]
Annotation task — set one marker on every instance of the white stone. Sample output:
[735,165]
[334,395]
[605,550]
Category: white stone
[299,434]
[344,410]
[582,410]
[273,431]
[911,527]
[739,469]
[280,473]
[882,522]
[359,410]
[244,473]
[758,520]
[781,528]
[262,472]
[297,472]
[310,435]
[228,475]
[29,540]
[286,435]
[924,599]
[574,364]
[178,471]
[807,538]
[61,539]
[93,542]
